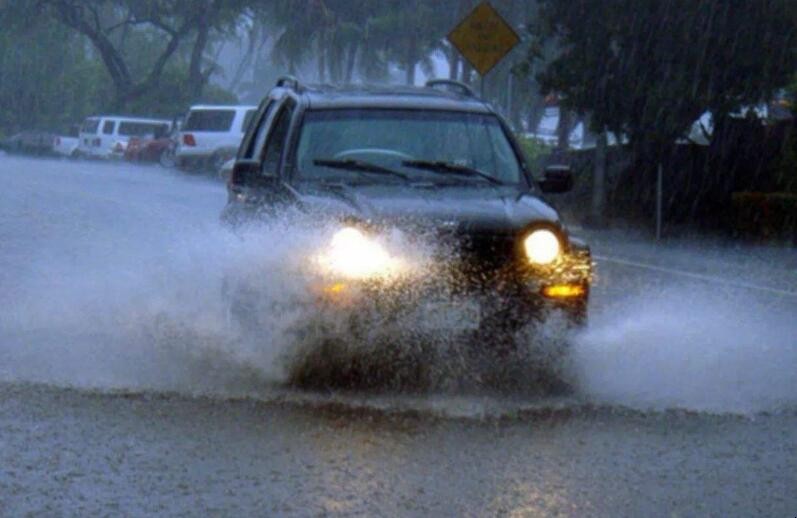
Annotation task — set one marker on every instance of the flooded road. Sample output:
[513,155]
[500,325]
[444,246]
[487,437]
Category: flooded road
[84,453]
[123,392]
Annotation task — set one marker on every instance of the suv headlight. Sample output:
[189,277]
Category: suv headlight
[354,255]
[542,246]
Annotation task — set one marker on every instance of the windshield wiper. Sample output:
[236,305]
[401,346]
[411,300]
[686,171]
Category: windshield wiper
[450,168]
[359,166]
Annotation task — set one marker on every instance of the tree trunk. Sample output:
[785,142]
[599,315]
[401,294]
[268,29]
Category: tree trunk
[196,77]
[334,60]
[253,44]
[563,129]
[351,60]
[453,63]
[536,110]
[466,73]
[322,59]
[85,20]
[412,60]
[410,76]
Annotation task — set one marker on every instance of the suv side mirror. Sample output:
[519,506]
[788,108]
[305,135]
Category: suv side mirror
[248,173]
[557,179]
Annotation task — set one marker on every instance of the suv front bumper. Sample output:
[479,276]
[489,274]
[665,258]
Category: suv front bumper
[507,298]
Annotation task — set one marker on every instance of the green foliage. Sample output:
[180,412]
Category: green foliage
[367,34]
[52,77]
[137,40]
[649,69]
[48,81]
[533,149]
[171,98]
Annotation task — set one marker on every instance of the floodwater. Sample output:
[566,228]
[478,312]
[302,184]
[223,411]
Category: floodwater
[124,389]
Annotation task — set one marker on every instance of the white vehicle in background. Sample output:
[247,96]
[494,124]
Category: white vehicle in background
[107,136]
[211,136]
[66,144]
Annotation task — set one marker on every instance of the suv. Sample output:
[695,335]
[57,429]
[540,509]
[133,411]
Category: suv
[434,164]
[107,136]
[211,136]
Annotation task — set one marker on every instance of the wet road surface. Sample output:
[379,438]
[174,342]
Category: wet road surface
[82,453]
[121,395]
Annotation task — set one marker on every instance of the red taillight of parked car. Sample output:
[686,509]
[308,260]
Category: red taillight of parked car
[189,140]
[57,141]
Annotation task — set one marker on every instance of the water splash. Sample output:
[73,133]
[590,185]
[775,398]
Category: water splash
[692,347]
[110,288]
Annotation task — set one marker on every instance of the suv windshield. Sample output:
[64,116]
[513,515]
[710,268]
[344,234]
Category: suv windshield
[400,138]
[141,129]
[90,126]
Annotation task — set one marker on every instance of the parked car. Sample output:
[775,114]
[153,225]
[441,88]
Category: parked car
[211,135]
[148,148]
[107,136]
[66,144]
[436,164]
[30,143]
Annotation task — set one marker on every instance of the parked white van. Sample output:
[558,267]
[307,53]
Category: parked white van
[106,136]
[211,135]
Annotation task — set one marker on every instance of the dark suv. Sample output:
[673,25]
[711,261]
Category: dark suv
[437,165]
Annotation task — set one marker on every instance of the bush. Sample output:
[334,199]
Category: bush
[771,216]
[533,149]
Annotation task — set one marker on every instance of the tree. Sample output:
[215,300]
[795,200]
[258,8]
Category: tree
[649,69]
[110,25]
[47,79]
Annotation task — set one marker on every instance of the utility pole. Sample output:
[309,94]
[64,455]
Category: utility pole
[599,181]
[659,195]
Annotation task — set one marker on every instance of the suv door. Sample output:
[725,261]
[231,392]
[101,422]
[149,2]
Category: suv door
[105,141]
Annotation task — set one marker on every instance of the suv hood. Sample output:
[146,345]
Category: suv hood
[468,208]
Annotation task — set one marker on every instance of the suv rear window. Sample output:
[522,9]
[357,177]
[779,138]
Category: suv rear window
[209,120]
[140,129]
[90,126]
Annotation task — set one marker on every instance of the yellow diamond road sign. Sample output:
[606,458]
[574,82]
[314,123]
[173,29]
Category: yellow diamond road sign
[483,38]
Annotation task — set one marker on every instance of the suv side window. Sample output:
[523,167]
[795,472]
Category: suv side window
[107,127]
[277,138]
[256,136]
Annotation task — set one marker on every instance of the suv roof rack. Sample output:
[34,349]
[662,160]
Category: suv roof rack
[288,81]
[462,88]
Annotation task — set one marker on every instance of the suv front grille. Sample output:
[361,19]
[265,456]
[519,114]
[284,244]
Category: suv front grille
[478,258]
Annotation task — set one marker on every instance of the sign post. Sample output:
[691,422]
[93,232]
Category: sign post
[659,202]
[483,38]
